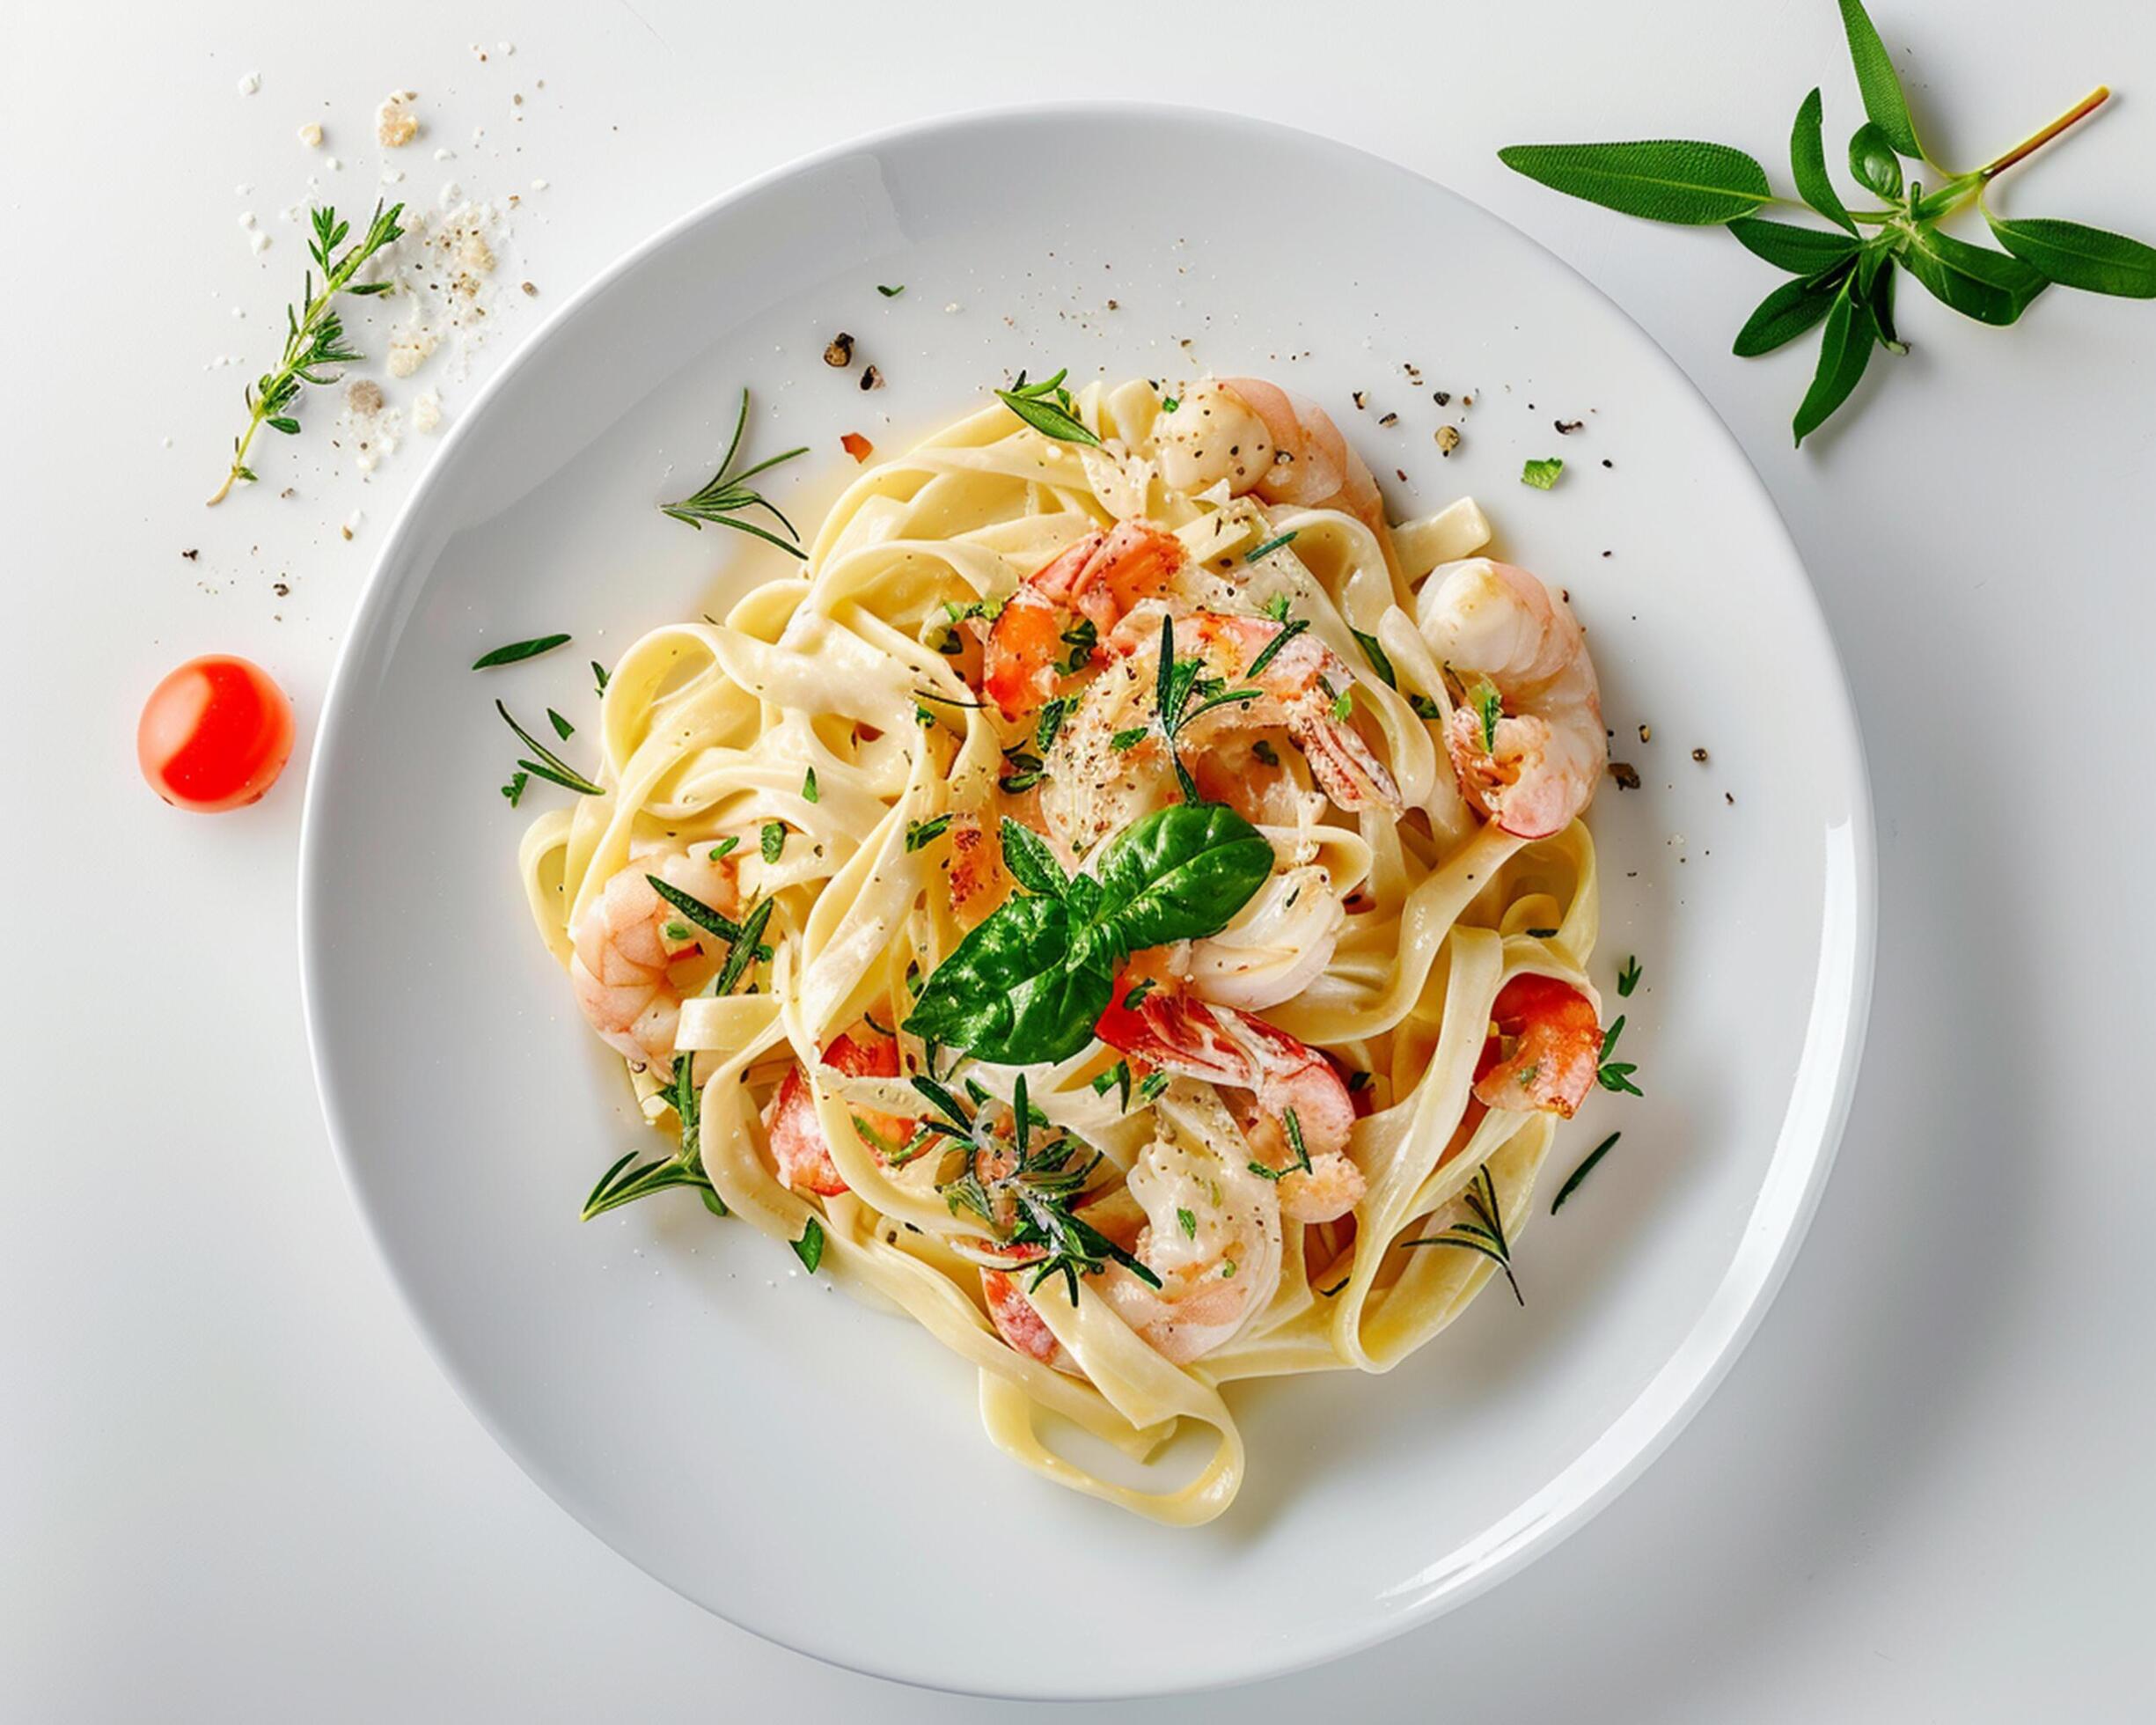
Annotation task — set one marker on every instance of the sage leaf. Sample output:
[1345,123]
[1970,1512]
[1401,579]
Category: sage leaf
[2075,256]
[1877,81]
[1873,161]
[1800,251]
[1786,313]
[1989,286]
[1844,349]
[1692,184]
[1807,164]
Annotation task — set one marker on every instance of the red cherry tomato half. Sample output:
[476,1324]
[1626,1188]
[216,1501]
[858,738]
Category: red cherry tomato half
[215,734]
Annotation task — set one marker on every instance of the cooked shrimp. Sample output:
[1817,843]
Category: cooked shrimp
[1098,579]
[1266,1075]
[1212,1234]
[797,1142]
[1257,436]
[1017,1322]
[635,958]
[1533,765]
[1546,1049]
[1094,788]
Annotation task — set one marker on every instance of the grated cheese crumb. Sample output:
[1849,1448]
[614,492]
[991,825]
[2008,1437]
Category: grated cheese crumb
[249,83]
[395,125]
[427,413]
[311,135]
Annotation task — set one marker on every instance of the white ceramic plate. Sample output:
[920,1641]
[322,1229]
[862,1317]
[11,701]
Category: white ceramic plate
[816,1471]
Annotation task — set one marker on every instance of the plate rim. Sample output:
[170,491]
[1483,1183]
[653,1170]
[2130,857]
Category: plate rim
[1697,1365]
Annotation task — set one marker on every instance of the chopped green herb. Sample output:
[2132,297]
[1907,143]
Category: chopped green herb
[1278,542]
[922,716]
[1124,740]
[1343,703]
[1119,1076]
[1266,752]
[1187,1223]
[1426,709]
[1294,1139]
[1628,978]
[1580,1173]
[891,292]
[679,931]
[563,729]
[1140,990]
[1264,1172]
[1048,408]
[598,676]
[517,651]
[1491,706]
[514,788]
[1151,1085]
[549,766]
[773,840]
[1276,607]
[1327,1293]
[1051,717]
[809,1247]
[809,793]
[1375,654]
[1542,475]
[725,847]
[1169,404]
[1615,1074]
[921,834]
[695,909]
[1359,1081]
[1081,637]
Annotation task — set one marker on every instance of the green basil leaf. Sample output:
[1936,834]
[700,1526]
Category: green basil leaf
[1807,163]
[1873,161]
[1878,82]
[1030,862]
[2075,256]
[1786,313]
[1663,179]
[1024,986]
[1989,286]
[1844,349]
[1800,251]
[1182,873]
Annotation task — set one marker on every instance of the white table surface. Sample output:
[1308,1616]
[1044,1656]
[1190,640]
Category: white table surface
[232,1483]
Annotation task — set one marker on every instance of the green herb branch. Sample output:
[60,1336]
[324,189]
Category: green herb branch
[1843,276]
[313,333]
[727,496]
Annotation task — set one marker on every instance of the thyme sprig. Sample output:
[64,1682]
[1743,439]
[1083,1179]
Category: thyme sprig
[1482,1233]
[727,494]
[314,334]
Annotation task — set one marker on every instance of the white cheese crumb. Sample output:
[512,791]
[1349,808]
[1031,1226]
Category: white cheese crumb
[953,306]
[427,413]
[395,125]
[408,351]
[246,218]
[445,154]
[334,163]
[538,185]
[249,83]
[451,196]
[259,240]
[311,135]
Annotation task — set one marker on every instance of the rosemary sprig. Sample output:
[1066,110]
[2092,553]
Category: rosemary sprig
[1178,681]
[1483,1232]
[1615,1074]
[1048,408]
[624,1184]
[727,494]
[549,766]
[1628,978]
[313,333]
[1842,275]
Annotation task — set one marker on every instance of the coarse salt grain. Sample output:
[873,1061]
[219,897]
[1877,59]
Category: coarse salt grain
[259,240]
[249,83]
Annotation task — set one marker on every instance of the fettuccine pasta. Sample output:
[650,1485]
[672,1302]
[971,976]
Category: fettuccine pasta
[1118,902]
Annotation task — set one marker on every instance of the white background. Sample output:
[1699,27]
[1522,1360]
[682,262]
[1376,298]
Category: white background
[232,1483]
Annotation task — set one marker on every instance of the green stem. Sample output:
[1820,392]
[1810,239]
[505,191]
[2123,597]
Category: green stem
[2036,141]
[261,410]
